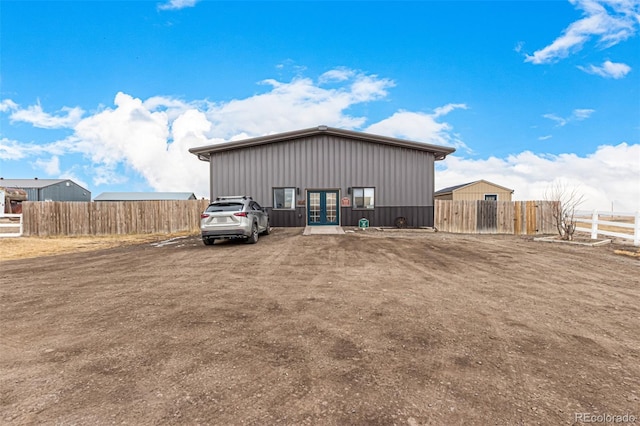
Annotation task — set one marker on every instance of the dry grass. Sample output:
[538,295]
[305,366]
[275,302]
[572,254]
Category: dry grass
[29,247]
[630,252]
[611,228]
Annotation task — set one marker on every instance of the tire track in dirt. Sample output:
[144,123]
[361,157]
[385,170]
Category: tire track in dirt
[362,328]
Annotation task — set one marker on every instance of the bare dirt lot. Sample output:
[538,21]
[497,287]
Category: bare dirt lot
[385,328]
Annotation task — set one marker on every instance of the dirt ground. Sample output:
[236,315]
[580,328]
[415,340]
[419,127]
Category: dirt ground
[379,328]
[20,248]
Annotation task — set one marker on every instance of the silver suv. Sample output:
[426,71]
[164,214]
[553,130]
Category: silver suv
[234,217]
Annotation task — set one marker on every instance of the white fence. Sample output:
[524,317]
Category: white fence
[9,221]
[623,221]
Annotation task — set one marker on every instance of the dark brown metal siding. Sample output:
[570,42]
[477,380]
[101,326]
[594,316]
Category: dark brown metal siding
[386,216]
[381,216]
[288,218]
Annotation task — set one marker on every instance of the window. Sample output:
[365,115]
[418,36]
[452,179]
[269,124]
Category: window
[491,197]
[284,198]
[363,198]
[224,207]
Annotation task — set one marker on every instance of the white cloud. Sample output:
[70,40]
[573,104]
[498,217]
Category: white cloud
[561,121]
[420,127]
[11,150]
[338,74]
[576,115]
[51,167]
[177,4]
[296,104]
[518,47]
[15,150]
[107,175]
[192,125]
[164,103]
[609,175]
[446,109]
[608,69]
[366,88]
[7,105]
[545,137]
[66,117]
[608,21]
[582,114]
[132,135]
[152,136]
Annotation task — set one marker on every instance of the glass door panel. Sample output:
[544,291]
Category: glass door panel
[314,208]
[331,207]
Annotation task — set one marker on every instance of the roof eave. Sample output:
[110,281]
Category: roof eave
[204,152]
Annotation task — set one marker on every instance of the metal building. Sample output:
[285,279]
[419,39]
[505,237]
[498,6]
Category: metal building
[49,189]
[329,176]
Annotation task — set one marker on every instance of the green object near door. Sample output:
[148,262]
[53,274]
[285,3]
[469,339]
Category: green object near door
[363,223]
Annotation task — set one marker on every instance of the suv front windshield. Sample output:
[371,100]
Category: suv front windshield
[224,207]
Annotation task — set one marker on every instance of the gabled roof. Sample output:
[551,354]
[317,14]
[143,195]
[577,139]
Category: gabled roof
[451,189]
[32,183]
[204,152]
[144,196]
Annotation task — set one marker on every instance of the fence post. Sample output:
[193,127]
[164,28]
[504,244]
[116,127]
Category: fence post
[594,225]
[636,230]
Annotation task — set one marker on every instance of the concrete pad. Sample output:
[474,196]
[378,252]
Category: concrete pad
[323,230]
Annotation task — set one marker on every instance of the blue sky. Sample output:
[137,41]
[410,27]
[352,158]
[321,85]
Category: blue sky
[112,94]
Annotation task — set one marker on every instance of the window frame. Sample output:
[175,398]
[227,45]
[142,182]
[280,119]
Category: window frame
[284,197]
[353,198]
[491,195]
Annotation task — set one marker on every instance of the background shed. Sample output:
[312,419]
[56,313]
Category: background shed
[478,190]
[49,189]
[145,196]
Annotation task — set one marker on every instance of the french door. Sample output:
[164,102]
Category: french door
[323,208]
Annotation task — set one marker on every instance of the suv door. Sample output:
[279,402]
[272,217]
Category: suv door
[261,215]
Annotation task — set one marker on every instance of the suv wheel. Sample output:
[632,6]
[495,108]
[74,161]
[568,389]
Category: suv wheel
[208,241]
[267,230]
[254,234]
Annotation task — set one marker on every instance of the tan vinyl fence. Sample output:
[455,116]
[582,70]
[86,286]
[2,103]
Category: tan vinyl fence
[494,217]
[53,218]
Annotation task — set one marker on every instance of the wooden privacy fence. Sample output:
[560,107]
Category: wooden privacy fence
[44,218]
[494,217]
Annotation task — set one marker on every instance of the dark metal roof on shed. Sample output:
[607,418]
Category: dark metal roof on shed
[144,196]
[204,152]
[453,188]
